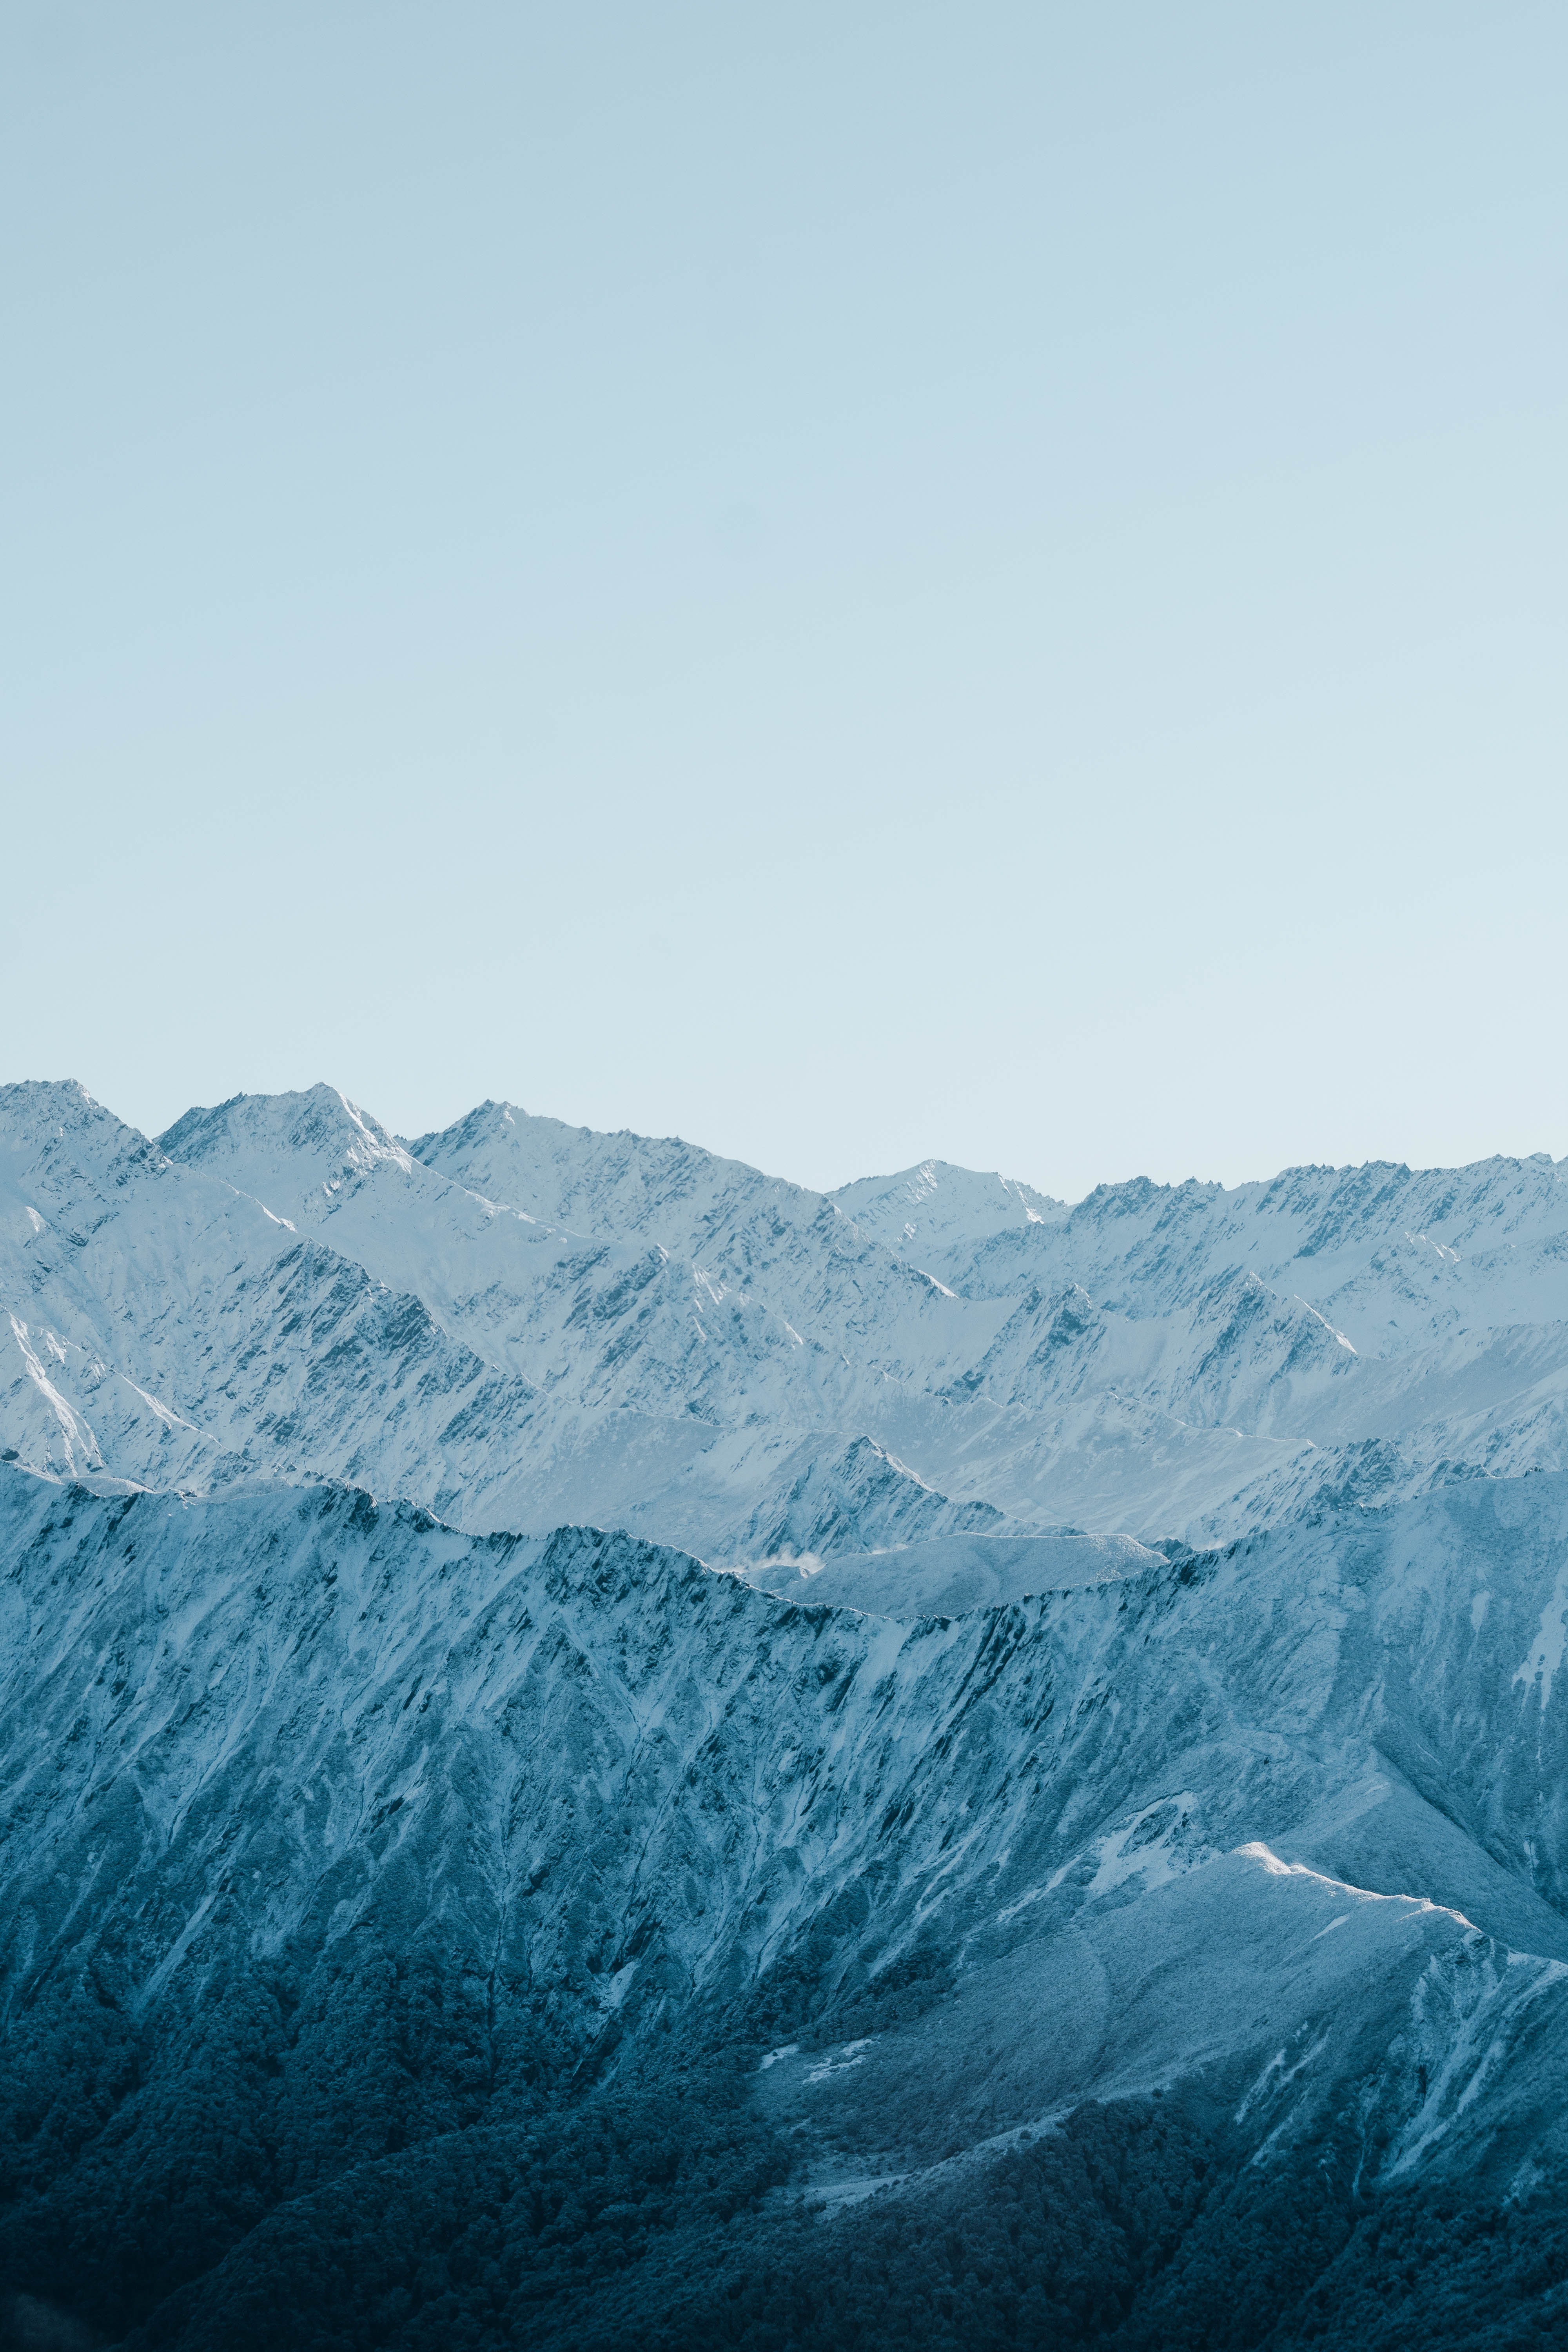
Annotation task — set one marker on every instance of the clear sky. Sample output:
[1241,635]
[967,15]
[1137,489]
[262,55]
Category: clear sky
[847,582]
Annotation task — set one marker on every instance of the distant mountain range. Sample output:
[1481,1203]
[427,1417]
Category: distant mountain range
[520,1324]
[599,1749]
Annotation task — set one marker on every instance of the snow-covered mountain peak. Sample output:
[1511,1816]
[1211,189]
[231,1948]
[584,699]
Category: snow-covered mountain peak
[66,1162]
[618,1187]
[55,1122]
[281,1148]
[35,1105]
[935,1205]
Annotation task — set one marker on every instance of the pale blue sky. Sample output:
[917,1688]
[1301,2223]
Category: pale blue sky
[848,581]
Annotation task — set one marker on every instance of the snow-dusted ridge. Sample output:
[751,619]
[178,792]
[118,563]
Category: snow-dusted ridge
[282,1722]
[520,1323]
[485,1620]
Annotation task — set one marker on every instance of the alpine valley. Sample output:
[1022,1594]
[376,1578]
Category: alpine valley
[599,1749]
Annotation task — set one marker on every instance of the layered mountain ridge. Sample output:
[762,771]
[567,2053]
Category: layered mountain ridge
[679,1345]
[600,1748]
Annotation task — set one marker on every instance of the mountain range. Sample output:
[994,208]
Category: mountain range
[600,1748]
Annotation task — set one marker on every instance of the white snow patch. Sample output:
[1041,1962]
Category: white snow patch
[1275,2075]
[1546,1651]
[1154,1856]
[840,2061]
[620,1984]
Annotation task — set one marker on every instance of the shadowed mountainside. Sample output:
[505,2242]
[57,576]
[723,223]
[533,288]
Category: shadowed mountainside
[335,1838]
